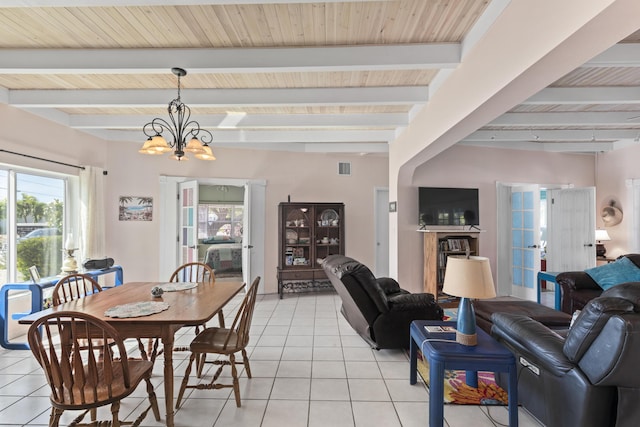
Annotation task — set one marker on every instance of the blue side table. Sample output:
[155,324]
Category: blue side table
[488,355]
[36,300]
[550,276]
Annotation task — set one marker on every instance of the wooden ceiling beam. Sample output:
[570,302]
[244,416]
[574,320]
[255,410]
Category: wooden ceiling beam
[230,60]
[237,136]
[211,121]
[568,119]
[123,3]
[554,135]
[134,98]
[586,95]
[619,55]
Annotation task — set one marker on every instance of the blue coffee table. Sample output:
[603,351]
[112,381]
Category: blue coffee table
[488,355]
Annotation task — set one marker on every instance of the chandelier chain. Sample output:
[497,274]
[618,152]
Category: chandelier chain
[180,127]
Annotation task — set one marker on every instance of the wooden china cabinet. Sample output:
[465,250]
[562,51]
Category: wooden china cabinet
[307,233]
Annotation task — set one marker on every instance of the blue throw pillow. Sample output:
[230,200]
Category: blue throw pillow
[620,271]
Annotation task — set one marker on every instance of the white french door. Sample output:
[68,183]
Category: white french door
[525,240]
[188,237]
[571,229]
[246,236]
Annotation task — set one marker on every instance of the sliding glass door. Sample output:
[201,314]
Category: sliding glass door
[32,212]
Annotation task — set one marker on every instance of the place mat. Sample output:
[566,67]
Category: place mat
[136,309]
[177,286]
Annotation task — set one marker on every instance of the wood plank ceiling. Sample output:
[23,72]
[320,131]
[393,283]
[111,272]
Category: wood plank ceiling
[299,75]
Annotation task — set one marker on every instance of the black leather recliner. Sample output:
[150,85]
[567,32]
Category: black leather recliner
[378,309]
[590,378]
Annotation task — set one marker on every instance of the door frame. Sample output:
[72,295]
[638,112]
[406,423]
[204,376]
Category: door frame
[526,289]
[381,231]
[503,252]
[169,241]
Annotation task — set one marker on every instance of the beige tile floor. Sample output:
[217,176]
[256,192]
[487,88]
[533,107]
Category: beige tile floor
[309,369]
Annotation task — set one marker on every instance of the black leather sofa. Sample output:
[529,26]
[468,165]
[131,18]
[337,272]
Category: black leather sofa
[588,378]
[578,288]
[378,309]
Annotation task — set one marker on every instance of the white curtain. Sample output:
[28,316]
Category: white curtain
[634,188]
[92,220]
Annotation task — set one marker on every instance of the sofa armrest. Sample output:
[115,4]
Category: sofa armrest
[534,341]
[410,301]
[575,280]
[390,286]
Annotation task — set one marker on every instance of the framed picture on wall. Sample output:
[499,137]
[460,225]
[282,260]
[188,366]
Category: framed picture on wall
[134,208]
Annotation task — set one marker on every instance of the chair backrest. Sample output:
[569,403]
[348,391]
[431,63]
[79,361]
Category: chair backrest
[72,287]
[358,288]
[242,322]
[604,339]
[77,374]
[193,272]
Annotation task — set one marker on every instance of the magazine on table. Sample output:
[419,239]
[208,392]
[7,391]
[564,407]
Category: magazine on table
[438,328]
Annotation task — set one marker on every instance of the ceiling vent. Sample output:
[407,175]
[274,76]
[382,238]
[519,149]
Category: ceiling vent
[344,168]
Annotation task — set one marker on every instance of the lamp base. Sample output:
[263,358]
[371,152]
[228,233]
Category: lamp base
[466,339]
[601,251]
[466,325]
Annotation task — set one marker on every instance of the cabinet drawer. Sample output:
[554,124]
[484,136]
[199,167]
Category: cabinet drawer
[296,275]
[320,275]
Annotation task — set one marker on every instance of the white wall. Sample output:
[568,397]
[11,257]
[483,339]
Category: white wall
[29,134]
[310,177]
[303,176]
[613,169]
[475,167]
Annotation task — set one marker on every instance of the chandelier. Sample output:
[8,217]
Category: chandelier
[180,128]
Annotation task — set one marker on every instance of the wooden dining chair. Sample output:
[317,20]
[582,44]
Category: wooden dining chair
[189,272]
[72,287]
[78,378]
[223,341]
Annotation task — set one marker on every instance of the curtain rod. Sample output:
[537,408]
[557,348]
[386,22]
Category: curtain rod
[40,158]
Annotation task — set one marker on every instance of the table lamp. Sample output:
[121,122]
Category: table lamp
[467,278]
[601,235]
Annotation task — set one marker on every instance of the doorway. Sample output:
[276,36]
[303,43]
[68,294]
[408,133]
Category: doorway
[253,232]
[220,229]
[540,221]
[381,221]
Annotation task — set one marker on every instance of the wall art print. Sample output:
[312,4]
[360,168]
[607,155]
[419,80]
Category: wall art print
[133,208]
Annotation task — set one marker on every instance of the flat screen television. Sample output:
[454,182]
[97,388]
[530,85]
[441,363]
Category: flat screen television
[448,206]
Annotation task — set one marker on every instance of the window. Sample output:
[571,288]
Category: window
[223,221]
[32,213]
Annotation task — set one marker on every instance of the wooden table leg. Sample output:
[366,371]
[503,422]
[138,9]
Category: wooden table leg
[167,341]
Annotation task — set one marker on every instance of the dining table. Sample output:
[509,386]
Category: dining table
[195,305]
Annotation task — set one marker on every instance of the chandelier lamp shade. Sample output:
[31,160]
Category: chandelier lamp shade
[179,134]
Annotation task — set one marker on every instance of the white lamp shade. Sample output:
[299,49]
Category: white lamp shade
[206,154]
[194,146]
[147,148]
[602,235]
[158,143]
[469,277]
